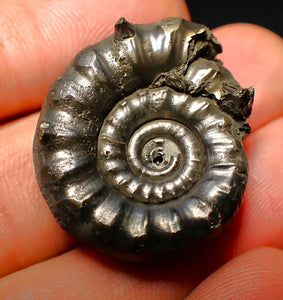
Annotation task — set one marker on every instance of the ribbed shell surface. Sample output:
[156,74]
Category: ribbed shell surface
[138,148]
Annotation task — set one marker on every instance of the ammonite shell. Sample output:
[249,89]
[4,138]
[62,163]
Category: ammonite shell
[138,148]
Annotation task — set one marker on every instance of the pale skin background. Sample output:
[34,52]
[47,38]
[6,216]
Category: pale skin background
[38,260]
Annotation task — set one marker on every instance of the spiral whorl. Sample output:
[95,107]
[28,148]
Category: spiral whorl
[138,148]
[145,151]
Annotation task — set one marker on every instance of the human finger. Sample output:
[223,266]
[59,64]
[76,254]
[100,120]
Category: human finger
[83,274]
[257,275]
[254,55]
[34,256]
[28,231]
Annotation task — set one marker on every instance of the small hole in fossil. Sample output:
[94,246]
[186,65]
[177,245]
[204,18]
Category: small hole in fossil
[158,159]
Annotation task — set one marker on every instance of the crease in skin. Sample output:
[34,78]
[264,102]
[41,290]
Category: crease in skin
[122,280]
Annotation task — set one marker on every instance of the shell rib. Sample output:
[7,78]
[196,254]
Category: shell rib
[138,148]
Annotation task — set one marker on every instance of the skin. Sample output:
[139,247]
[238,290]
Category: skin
[38,260]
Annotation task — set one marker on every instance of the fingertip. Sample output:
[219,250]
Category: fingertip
[257,274]
[247,44]
[254,55]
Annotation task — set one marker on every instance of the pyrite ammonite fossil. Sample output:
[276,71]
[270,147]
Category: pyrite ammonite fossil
[138,148]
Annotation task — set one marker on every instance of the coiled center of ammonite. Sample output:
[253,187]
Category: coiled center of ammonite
[146,151]
[154,149]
